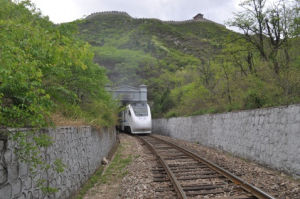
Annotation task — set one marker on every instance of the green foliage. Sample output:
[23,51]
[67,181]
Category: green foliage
[59,166]
[199,67]
[123,64]
[45,69]
[29,150]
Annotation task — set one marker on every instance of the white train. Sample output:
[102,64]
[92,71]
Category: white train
[136,118]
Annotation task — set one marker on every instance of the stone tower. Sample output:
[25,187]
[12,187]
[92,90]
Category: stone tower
[198,17]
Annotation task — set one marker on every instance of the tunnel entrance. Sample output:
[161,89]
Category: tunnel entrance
[129,94]
[134,97]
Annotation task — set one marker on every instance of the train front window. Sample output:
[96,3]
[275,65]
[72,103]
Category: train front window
[140,109]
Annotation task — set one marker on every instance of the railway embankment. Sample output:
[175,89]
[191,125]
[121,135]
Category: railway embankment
[80,149]
[269,136]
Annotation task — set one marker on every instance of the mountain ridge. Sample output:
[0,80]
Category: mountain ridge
[123,13]
[147,51]
[190,68]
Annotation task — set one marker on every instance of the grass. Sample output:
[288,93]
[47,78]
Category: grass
[90,183]
[115,170]
[117,167]
[60,120]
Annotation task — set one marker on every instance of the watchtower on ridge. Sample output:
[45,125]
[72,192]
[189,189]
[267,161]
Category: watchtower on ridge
[198,17]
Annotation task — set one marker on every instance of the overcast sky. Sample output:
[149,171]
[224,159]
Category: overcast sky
[69,10]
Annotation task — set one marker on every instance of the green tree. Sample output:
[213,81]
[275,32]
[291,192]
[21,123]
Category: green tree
[268,29]
[44,69]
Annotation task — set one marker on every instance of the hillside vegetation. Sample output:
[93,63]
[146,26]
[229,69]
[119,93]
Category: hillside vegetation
[46,70]
[46,74]
[195,67]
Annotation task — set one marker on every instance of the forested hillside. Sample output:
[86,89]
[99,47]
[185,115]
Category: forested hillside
[199,67]
[46,72]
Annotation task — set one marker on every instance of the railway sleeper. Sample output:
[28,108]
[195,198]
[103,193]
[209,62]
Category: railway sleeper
[244,197]
[175,155]
[163,189]
[190,170]
[163,148]
[174,169]
[166,196]
[177,170]
[200,177]
[176,158]
[159,173]
[158,176]
[193,165]
[192,174]
[196,173]
[197,188]
[157,170]
[183,161]
[204,192]
[175,152]
[161,180]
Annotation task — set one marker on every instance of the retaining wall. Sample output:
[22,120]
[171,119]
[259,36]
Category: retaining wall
[81,149]
[270,136]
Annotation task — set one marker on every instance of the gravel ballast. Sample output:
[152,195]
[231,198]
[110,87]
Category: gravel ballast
[138,181]
[271,181]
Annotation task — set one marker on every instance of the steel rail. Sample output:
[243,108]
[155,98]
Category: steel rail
[246,186]
[180,193]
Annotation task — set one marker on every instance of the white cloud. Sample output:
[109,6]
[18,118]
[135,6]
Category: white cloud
[59,11]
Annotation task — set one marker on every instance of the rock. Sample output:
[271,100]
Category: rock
[104,161]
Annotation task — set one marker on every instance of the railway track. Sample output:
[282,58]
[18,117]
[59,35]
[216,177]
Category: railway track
[184,174]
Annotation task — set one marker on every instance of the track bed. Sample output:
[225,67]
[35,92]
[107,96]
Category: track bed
[183,174]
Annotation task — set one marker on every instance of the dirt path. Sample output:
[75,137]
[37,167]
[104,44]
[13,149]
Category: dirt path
[128,175]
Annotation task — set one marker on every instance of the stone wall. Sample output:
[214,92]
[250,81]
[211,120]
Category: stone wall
[95,14]
[81,149]
[270,136]
[121,13]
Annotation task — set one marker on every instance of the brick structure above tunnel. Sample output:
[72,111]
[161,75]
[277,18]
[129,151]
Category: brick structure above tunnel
[128,94]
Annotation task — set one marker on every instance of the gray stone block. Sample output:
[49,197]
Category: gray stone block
[17,188]
[13,172]
[23,169]
[1,145]
[10,144]
[29,195]
[270,136]
[3,174]
[27,183]
[23,196]
[73,146]
[8,156]
[36,194]
[58,193]
[6,191]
